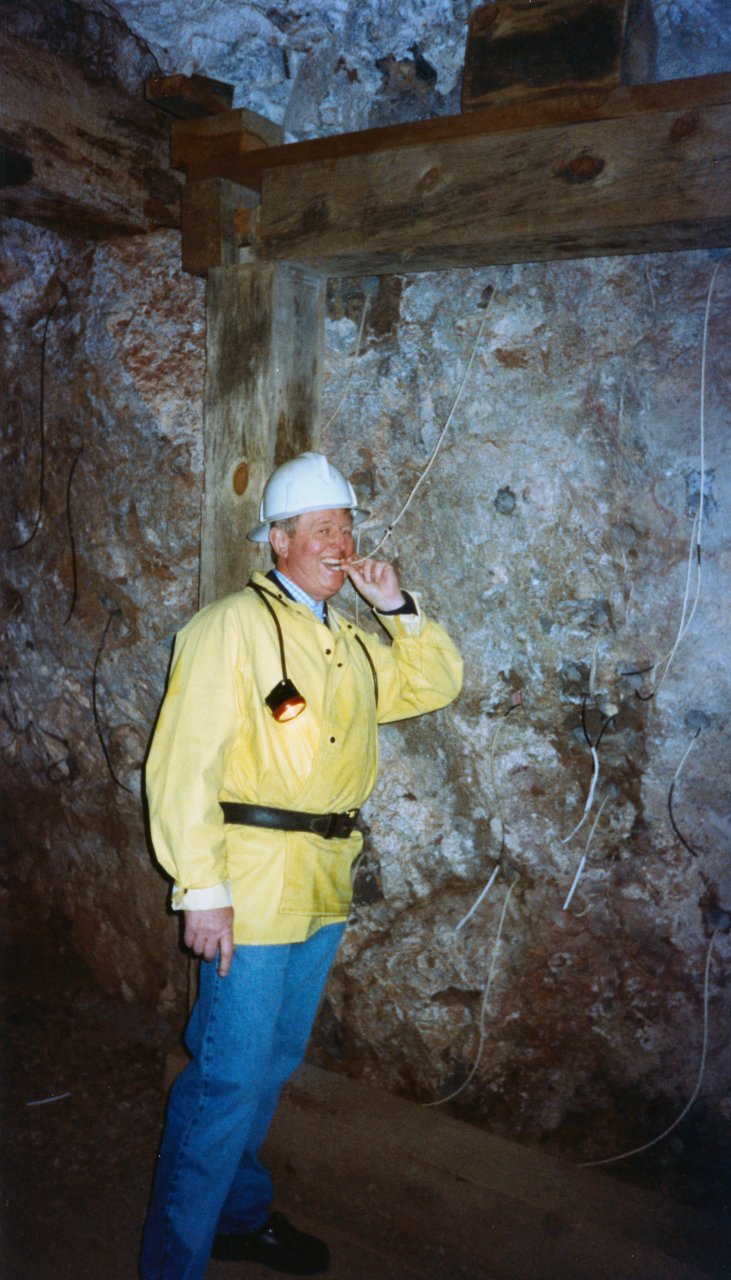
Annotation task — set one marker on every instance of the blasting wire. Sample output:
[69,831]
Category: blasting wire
[673,823]
[684,626]
[517,702]
[353,359]
[696,535]
[589,798]
[591,1164]
[42,433]
[438,445]
[582,864]
[703,404]
[483,1033]
[479,899]
[74,571]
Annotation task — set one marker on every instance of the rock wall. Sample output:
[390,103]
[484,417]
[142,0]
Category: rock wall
[336,67]
[552,536]
[102,387]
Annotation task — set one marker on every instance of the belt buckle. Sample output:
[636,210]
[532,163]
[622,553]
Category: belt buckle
[344,824]
[322,825]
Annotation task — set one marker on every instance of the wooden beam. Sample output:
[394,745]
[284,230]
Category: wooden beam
[652,180]
[646,168]
[79,154]
[262,401]
[223,154]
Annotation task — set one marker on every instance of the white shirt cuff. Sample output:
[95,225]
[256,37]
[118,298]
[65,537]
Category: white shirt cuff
[215,895]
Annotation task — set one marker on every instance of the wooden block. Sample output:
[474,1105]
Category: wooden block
[218,223]
[188,97]
[193,141]
[526,49]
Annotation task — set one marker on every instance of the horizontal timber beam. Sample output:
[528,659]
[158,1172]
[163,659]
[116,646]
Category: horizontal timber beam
[640,169]
[79,154]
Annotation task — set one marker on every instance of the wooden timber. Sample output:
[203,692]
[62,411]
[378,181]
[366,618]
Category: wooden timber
[264,336]
[645,168]
[218,224]
[543,48]
[219,216]
[78,154]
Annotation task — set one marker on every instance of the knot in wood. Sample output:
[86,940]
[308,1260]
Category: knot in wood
[241,479]
[429,180]
[683,126]
[584,167]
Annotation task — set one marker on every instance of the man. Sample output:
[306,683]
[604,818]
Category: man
[265,749]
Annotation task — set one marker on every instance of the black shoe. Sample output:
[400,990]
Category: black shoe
[278,1245]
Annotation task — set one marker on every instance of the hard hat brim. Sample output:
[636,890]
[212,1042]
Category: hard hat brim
[260,533]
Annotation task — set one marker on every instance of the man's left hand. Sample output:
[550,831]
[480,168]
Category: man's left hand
[377,582]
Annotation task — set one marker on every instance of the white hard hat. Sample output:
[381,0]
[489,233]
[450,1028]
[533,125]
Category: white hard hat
[306,483]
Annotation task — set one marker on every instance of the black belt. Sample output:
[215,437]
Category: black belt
[328,825]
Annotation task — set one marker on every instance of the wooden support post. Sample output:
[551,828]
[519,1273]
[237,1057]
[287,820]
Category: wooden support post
[262,400]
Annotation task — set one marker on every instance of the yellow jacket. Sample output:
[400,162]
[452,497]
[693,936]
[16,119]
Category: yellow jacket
[216,740]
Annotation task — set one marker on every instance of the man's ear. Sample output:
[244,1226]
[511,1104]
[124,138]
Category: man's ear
[279,543]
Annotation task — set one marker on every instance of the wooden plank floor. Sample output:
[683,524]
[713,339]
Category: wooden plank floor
[401,1191]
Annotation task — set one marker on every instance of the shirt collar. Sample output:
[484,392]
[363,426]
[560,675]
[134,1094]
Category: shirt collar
[318,607]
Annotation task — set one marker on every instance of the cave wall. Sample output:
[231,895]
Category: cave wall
[552,538]
[102,383]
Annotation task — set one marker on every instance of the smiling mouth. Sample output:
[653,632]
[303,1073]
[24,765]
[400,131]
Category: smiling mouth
[333,565]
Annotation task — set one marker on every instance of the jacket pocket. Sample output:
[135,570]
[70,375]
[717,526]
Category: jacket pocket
[318,875]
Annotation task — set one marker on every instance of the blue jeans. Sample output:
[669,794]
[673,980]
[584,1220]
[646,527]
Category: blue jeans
[247,1033]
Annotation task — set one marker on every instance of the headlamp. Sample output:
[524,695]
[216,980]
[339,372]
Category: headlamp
[284,701]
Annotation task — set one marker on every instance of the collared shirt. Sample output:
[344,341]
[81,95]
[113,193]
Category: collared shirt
[318,607]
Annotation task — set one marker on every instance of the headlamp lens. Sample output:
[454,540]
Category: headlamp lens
[284,701]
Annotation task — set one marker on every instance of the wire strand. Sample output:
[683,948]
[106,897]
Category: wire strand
[696,536]
[479,899]
[592,1164]
[676,776]
[483,1033]
[582,863]
[432,459]
[589,798]
[72,541]
[42,434]
[517,702]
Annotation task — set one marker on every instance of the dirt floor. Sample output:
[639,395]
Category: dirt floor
[81,1113]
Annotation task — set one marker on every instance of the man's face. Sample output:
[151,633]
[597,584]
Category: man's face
[311,555]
